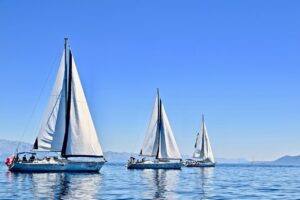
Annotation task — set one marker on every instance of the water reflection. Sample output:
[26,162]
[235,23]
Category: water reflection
[62,185]
[161,183]
[204,179]
[248,182]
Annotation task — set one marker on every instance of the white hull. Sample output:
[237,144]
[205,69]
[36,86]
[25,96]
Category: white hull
[59,166]
[154,165]
[198,164]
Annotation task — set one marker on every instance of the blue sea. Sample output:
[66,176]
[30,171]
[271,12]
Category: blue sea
[116,182]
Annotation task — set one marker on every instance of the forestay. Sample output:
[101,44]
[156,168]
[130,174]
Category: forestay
[52,130]
[150,146]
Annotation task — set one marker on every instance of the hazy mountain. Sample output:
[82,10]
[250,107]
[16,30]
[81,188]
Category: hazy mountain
[8,148]
[232,160]
[287,160]
[124,156]
[118,157]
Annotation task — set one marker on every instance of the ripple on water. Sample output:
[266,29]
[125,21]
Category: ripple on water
[116,182]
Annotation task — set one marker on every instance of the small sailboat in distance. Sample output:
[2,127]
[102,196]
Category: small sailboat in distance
[203,155]
[159,143]
[67,129]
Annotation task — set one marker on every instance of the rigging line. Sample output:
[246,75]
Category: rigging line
[136,146]
[140,141]
[132,153]
[43,87]
[38,100]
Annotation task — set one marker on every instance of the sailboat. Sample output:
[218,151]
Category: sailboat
[67,128]
[159,143]
[203,155]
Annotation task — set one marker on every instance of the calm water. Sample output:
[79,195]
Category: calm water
[116,182]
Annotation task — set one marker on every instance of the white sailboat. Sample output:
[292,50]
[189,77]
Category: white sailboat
[203,155]
[67,128]
[159,143]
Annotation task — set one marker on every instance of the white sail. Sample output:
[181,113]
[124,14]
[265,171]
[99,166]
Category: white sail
[82,136]
[52,130]
[150,145]
[203,149]
[159,140]
[168,148]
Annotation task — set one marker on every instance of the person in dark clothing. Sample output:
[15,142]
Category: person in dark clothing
[17,157]
[24,159]
[32,157]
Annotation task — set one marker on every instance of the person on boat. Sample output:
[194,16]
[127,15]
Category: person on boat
[16,158]
[32,158]
[24,159]
[131,160]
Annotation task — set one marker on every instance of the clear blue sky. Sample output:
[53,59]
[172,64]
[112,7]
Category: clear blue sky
[238,62]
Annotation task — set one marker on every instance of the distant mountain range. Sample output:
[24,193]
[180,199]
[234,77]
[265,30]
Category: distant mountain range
[287,160]
[8,148]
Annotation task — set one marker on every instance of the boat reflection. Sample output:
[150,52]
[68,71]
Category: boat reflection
[63,185]
[161,183]
[204,179]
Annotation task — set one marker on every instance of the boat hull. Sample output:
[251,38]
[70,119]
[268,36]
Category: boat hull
[57,167]
[199,164]
[154,166]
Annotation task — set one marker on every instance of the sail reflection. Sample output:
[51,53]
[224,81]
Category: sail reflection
[161,183]
[205,181]
[66,185]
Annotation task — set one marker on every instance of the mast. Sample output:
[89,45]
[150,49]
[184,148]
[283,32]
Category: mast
[66,72]
[203,137]
[158,121]
[159,109]
[68,90]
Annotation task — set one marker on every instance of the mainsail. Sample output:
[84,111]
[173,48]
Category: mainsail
[203,149]
[68,126]
[159,141]
[82,137]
